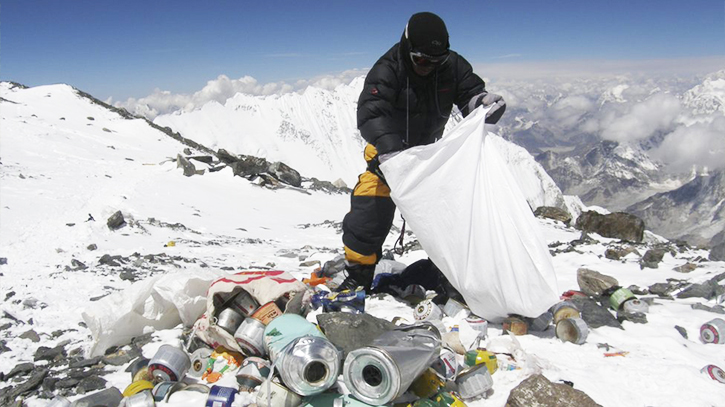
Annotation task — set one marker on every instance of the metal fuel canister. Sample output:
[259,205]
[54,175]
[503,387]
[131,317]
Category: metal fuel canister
[713,331]
[481,356]
[169,364]
[453,307]
[142,399]
[427,384]
[446,365]
[572,330]
[199,359]
[474,382]
[220,396]
[619,297]
[515,325]
[426,311]
[244,303]
[563,310]
[714,372]
[250,337]
[229,320]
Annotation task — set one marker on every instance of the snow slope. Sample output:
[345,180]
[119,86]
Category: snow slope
[59,166]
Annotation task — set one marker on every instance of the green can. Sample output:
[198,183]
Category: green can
[619,297]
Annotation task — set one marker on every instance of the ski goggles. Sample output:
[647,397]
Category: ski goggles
[426,60]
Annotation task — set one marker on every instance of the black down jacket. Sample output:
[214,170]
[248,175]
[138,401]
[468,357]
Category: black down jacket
[398,109]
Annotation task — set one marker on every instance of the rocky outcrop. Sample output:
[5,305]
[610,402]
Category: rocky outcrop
[618,225]
[538,391]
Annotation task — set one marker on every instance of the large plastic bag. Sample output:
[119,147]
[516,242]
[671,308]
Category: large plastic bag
[161,302]
[467,210]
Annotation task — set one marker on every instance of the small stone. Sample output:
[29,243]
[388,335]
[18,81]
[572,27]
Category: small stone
[652,258]
[85,362]
[127,275]
[9,295]
[682,331]
[685,268]
[116,221]
[50,354]
[310,263]
[705,290]
[31,335]
[66,383]
[3,261]
[109,260]
[78,265]
[30,302]
[636,317]
[5,326]
[661,289]
[3,346]
[35,380]
[718,309]
[554,213]
[92,247]
[537,390]
[91,383]
[121,357]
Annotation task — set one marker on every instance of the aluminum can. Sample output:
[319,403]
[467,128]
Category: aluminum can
[143,399]
[635,305]
[253,372]
[220,396]
[267,312]
[381,372]
[515,325]
[573,330]
[474,382]
[563,310]
[619,297]
[540,323]
[169,364]
[446,365]
[713,331]
[453,307]
[413,293]
[229,320]
[244,303]
[250,337]
[308,363]
[107,397]
[199,360]
[714,372]
[426,311]
[273,394]
[479,324]
[139,369]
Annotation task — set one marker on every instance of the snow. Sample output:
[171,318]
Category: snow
[59,166]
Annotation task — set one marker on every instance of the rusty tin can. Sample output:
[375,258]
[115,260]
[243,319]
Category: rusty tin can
[564,310]
[515,325]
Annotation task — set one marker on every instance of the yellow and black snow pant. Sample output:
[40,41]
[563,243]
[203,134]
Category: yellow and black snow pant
[366,226]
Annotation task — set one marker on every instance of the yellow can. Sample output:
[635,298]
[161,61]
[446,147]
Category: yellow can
[137,387]
[427,384]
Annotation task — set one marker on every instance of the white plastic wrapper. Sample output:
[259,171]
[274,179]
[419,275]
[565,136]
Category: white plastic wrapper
[468,212]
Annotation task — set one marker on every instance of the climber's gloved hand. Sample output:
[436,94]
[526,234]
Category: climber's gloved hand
[497,105]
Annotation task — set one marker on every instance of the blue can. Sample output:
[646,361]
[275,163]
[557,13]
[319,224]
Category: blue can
[221,396]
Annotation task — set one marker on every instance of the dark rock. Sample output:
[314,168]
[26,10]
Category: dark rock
[593,313]
[652,258]
[85,362]
[187,151]
[109,260]
[5,326]
[3,346]
[352,331]
[686,268]
[618,225]
[661,289]
[682,331]
[116,221]
[636,290]
[226,157]
[20,369]
[78,265]
[127,274]
[718,309]
[3,261]
[285,173]
[67,383]
[91,383]
[92,247]
[50,354]
[9,295]
[142,340]
[249,166]
[206,159]
[48,384]
[121,357]
[327,186]
[617,253]
[187,166]
[594,283]
[706,290]
[636,317]
[538,391]
[551,212]
[717,253]
[35,380]
[31,335]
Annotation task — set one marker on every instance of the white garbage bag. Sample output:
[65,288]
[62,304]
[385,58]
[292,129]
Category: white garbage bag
[468,212]
[161,302]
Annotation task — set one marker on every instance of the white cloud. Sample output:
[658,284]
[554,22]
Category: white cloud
[656,114]
[701,144]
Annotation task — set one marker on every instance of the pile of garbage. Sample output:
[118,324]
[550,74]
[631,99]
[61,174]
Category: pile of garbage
[255,342]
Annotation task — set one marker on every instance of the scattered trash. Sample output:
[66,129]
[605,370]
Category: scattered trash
[219,362]
[199,360]
[573,330]
[267,312]
[446,365]
[714,372]
[481,356]
[564,310]
[252,373]
[220,396]
[618,296]
[250,337]
[515,325]
[170,244]
[479,324]
[427,311]
[273,394]
[381,372]
[229,320]
[713,331]
[142,399]
[169,364]
[427,384]
[453,307]
[540,323]
[612,354]
[350,301]
[475,382]
[137,387]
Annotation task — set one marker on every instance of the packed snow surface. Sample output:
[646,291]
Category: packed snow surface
[67,165]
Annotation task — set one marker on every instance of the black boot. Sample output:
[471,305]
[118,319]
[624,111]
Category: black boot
[358,275]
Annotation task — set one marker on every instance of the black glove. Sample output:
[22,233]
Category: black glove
[497,104]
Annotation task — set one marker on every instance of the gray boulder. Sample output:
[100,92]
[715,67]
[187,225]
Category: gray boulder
[717,253]
[594,283]
[116,221]
[538,391]
[618,225]
[286,174]
[594,314]
[352,331]
[551,212]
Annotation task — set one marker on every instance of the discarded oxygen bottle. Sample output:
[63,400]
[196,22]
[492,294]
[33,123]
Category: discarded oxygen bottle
[713,331]
[108,397]
[381,372]
[306,360]
[169,364]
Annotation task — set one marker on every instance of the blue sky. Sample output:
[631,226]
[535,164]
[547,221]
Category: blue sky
[129,48]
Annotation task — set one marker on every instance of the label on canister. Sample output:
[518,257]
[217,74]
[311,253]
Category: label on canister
[478,324]
[426,311]
[714,372]
[446,365]
[453,307]
[474,382]
[713,331]
[220,396]
[169,364]
[267,312]
[447,399]
[573,330]
[619,297]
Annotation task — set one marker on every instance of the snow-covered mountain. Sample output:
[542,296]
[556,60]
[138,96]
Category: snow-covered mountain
[709,96]
[67,164]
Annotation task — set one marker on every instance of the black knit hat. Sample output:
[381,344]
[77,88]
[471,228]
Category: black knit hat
[427,33]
